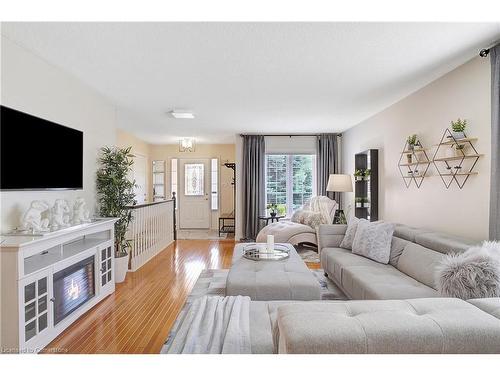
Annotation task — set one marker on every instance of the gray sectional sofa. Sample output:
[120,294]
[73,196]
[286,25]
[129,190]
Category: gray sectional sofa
[409,274]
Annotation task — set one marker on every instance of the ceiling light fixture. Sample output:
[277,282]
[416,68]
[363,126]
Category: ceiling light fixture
[181,114]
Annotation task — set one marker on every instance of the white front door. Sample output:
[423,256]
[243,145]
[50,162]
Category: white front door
[139,169]
[194,205]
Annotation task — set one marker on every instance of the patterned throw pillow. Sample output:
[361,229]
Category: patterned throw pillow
[350,233]
[373,240]
[314,219]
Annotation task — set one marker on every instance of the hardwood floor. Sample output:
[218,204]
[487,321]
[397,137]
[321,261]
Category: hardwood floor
[138,316]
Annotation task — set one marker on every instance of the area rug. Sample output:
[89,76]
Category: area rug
[308,254]
[213,283]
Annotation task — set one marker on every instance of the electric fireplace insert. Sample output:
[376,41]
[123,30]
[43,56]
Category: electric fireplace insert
[73,286]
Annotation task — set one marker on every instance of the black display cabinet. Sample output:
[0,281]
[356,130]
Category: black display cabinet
[366,185]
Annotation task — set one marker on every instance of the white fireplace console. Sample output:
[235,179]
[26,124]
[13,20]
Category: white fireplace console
[47,282]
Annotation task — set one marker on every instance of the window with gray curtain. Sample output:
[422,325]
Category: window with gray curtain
[495,144]
[253,181]
[327,162]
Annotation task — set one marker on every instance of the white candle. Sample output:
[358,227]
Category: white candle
[270,243]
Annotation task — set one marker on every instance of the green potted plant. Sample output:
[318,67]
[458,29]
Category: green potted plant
[458,128]
[281,209]
[361,202]
[273,209]
[361,174]
[412,142]
[365,202]
[115,193]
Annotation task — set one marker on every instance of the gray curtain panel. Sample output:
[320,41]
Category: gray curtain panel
[495,144]
[253,179]
[327,162]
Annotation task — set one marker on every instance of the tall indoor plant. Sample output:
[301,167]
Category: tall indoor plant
[115,193]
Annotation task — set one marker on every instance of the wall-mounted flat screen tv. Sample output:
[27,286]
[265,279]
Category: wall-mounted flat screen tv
[38,154]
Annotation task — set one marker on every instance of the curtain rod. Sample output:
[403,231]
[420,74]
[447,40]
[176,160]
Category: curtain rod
[292,135]
[485,51]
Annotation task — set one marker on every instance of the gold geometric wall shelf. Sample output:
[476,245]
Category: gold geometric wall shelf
[459,159]
[413,164]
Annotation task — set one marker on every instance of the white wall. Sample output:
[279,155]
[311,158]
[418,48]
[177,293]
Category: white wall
[464,93]
[30,84]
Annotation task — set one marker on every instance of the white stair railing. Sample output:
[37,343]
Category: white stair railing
[150,232]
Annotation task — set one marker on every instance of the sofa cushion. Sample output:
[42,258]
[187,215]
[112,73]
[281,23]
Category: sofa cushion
[428,325]
[406,232]
[373,240]
[397,247]
[489,305]
[377,281]
[420,263]
[334,260]
[444,243]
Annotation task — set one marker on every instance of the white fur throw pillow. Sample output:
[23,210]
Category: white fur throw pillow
[373,240]
[472,274]
[350,232]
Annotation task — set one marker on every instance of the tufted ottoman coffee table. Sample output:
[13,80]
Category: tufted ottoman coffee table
[287,279]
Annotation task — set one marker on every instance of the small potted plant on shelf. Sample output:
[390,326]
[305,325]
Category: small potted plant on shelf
[116,195]
[358,202]
[273,209]
[362,174]
[412,142]
[362,202]
[458,128]
[365,202]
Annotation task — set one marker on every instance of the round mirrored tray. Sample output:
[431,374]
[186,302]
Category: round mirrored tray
[259,252]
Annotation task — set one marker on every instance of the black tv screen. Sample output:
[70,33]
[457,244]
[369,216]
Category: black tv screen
[37,154]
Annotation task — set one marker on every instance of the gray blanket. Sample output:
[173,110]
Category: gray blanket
[215,325]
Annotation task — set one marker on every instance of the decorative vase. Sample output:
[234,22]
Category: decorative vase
[273,214]
[121,268]
[409,158]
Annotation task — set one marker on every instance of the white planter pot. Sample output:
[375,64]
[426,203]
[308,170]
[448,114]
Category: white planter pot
[121,267]
[458,135]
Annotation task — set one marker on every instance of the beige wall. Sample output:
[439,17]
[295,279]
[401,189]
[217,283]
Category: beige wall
[464,93]
[124,139]
[224,152]
[32,85]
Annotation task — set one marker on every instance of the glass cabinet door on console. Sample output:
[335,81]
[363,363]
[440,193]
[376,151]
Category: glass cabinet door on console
[35,305]
[106,266]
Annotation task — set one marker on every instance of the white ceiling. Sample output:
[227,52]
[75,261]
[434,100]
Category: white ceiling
[252,77]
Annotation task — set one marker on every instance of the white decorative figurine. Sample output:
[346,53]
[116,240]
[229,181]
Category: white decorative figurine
[60,215]
[80,212]
[32,218]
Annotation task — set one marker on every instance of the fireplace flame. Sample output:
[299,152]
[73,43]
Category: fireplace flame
[74,290]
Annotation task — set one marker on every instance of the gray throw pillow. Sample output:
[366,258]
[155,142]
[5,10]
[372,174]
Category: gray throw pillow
[350,233]
[373,240]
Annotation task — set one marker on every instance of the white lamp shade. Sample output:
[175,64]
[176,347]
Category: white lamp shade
[339,183]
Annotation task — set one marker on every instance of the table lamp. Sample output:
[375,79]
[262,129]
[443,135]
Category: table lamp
[339,183]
